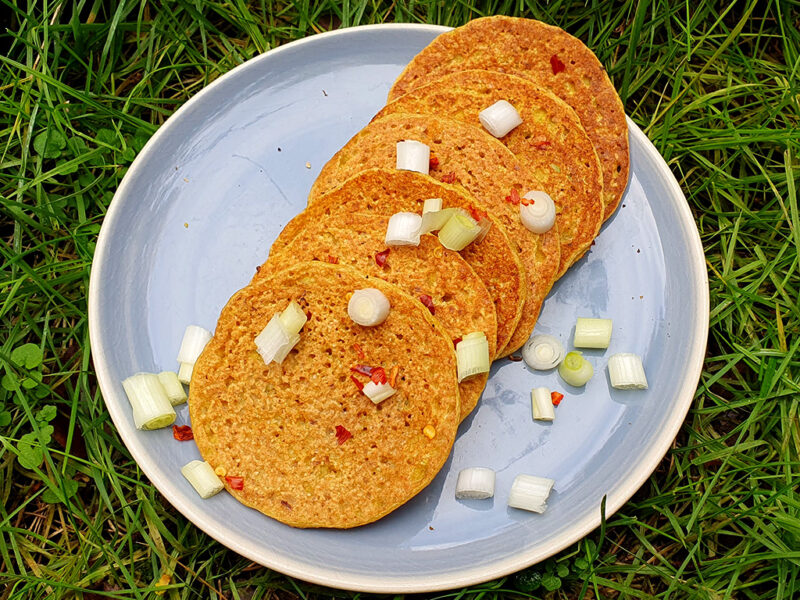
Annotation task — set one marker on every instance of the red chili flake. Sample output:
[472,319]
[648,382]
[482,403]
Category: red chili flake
[448,177]
[182,433]
[378,375]
[363,369]
[342,435]
[433,163]
[286,505]
[456,340]
[332,259]
[514,357]
[359,351]
[393,376]
[543,145]
[557,65]
[556,398]
[308,314]
[526,201]
[428,301]
[359,385]
[513,197]
[236,483]
[477,214]
[381,257]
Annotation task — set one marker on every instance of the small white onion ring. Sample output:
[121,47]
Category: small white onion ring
[542,352]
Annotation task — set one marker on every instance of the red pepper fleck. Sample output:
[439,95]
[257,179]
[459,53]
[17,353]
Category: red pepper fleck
[308,314]
[363,369]
[557,65]
[433,163]
[477,214]
[359,385]
[332,259]
[428,301]
[381,257]
[448,177]
[286,505]
[182,433]
[556,398]
[513,197]
[378,375]
[342,435]
[236,483]
[393,376]
[543,145]
[457,340]
[359,351]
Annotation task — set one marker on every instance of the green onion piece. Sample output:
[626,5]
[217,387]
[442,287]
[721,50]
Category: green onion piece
[542,404]
[575,370]
[378,392]
[472,356]
[194,340]
[431,205]
[626,372]
[459,231]
[485,224]
[475,483]
[274,342]
[172,386]
[542,352]
[592,333]
[434,221]
[529,492]
[151,406]
[475,335]
[202,477]
[293,318]
[185,372]
[368,307]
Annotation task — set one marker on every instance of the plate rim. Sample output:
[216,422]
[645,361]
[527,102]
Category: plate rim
[406,583]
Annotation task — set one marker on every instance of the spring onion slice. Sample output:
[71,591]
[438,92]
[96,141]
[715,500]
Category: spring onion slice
[275,341]
[592,333]
[194,340]
[185,372]
[626,372]
[413,156]
[540,215]
[459,231]
[542,352]
[368,307]
[432,205]
[500,118]
[529,492]
[542,404]
[378,392]
[202,477]
[475,483]
[485,224]
[151,406]
[434,221]
[575,370]
[472,355]
[293,318]
[403,229]
[173,387]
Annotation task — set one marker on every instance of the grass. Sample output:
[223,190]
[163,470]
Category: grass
[716,87]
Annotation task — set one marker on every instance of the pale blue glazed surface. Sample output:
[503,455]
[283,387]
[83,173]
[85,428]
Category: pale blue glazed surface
[198,211]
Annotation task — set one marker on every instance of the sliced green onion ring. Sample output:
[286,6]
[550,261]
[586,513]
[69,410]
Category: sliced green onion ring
[431,205]
[173,387]
[403,229]
[626,372]
[368,307]
[413,156]
[293,318]
[592,333]
[202,477]
[185,372]
[194,340]
[475,483]
[459,231]
[499,118]
[434,221]
[575,370]
[149,401]
[542,404]
[378,392]
[472,355]
[485,224]
[542,352]
[540,215]
[275,341]
[529,492]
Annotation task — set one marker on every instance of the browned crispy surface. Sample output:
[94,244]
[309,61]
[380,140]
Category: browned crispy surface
[275,425]
[460,299]
[387,191]
[550,143]
[478,162]
[525,47]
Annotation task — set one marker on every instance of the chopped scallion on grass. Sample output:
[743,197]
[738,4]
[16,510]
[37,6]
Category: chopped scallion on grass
[475,483]
[538,215]
[368,307]
[542,352]
[499,118]
[542,404]
[626,372]
[403,229]
[203,478]
[275,341]
[149,401]
[592,333]
[459,231]
[529,492]
[575,370]
[173,387]
[413,156]
[472,355]
[293,318]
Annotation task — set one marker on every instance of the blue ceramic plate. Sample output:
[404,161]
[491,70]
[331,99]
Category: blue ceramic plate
[198,211]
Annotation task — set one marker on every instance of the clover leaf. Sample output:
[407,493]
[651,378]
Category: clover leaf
[46,414]
[31,453]
[28,356]
[49,143]
[550,582]
[52,496]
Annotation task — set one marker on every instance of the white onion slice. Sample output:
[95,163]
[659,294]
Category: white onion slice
[432,205]
[475,483]
[378,392]
[529,492]
[592,333]
[403,229]
[172,387]
[542,352]
[413,156]
[542,404]
[151,406]
[575,370]
[626,372]
[185,373]
[275,341]
[500,118]
[540,215]
[433,221]
[368,307]
[293,318]
[472,355]
[194,340]
[202,477]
